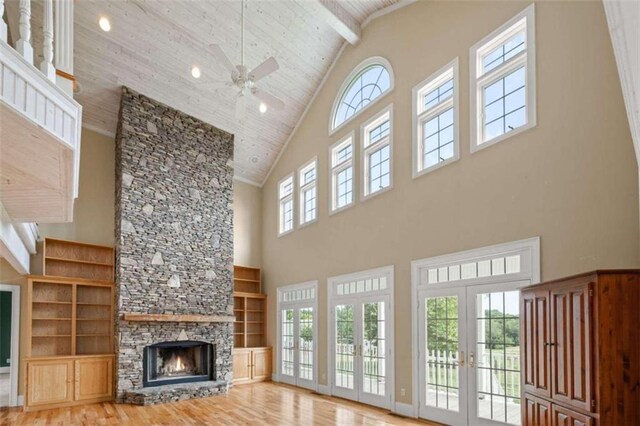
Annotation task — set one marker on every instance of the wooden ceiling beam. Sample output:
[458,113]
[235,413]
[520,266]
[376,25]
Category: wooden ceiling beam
[340,20]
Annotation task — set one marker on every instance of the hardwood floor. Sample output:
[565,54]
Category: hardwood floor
[256,404]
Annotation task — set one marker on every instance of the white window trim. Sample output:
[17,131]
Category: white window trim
[530,248]
[528,58]
[298,304]
[334,170]
[303,188]
[333,299]
[419,116]
[279,218]
[375,60]
[364,163]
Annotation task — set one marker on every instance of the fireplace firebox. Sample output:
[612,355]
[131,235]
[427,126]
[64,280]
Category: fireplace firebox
[178,362]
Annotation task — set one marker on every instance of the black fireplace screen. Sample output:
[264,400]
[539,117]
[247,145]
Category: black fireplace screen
[178,362]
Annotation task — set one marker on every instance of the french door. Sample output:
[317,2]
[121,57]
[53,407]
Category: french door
[361,360]
[297,346]
[469,358]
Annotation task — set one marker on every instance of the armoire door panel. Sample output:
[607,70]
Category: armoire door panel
[570,346]
[527,341]
[536,411]
[541,343]
[562,416]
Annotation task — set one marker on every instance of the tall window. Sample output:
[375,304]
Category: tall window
[503,82]
[366,83]
[377,136]
[435,120]
[285,198]
[307,178]
[341,158]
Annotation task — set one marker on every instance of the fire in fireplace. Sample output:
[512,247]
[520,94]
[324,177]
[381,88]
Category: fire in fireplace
[178,362]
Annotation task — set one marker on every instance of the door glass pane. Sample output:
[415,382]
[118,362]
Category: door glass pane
[305,342]
[498,356]
[441,320]
[287,342]
[345,347]
[373,348]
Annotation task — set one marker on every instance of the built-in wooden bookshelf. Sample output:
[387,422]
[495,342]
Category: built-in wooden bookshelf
[69,317]
[69,342]
[251,358]
[249,308]
[246,279]
[62,258]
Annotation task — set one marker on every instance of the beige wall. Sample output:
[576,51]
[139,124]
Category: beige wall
[247,224]
[94,209]
[572,180]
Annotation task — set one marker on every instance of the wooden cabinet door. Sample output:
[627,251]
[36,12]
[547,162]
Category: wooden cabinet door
[241,365]
[564,417]
[261,361]
[570,346]
[536,411]
[534,337]
[49,382]
[94,379]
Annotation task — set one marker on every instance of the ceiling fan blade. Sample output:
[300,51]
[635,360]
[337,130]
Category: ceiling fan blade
[264,69]
[217,83]
[241,106]
[222,57]
[268,99]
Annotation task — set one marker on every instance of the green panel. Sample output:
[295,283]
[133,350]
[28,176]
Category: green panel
[5,327]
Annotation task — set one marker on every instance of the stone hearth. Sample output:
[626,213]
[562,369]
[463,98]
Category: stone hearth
[174,243]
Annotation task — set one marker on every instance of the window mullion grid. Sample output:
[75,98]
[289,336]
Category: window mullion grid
[491,77]
[344,165]
[427,115]
[368,150]
[303,190]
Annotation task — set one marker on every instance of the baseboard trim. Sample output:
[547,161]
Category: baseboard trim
[275,377]
[20,400]
[324,389]
[405,410]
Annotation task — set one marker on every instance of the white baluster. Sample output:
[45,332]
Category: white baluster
[46,66]
[23,45]
[63,53]
[3,25]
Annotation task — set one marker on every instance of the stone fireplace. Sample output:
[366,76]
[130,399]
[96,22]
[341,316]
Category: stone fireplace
[174,254]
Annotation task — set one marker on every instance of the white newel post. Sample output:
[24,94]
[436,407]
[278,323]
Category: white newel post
[63,56]
[46,66]
[3,25]
[23,45]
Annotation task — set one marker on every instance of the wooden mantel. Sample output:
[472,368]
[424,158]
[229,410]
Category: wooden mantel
[177,318]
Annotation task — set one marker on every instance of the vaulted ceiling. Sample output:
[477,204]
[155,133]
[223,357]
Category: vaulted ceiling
[153,45]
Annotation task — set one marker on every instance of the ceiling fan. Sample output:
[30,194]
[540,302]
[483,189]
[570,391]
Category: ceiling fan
[245,80]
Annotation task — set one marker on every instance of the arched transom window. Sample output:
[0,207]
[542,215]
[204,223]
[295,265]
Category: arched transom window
[366,83]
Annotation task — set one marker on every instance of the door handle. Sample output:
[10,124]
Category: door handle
[472,360]
[461,362]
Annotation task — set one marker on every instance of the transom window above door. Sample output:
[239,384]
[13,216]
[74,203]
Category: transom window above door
[366,83]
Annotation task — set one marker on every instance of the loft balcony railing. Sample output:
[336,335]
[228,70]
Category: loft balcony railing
[39,121]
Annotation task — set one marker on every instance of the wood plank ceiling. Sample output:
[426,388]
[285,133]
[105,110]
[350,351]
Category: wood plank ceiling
[153,45]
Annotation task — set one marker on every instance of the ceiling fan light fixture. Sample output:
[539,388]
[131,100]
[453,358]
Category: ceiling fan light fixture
[104,23]
[262,107]
[195,72]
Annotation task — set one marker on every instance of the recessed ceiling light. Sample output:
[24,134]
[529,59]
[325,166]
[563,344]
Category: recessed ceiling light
[254,159]
[263,107]
[195,72]
[104,23]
